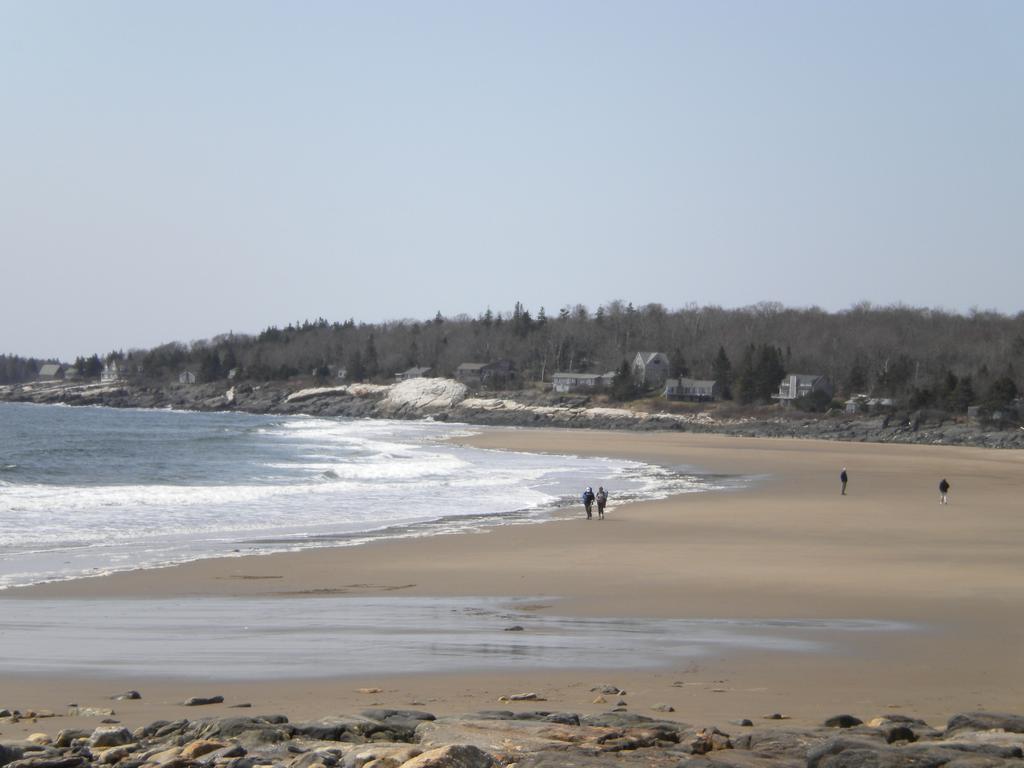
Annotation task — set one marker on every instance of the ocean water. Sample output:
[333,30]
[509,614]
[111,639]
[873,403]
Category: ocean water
[86,491]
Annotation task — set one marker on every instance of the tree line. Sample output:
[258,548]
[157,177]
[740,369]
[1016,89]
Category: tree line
[921,357]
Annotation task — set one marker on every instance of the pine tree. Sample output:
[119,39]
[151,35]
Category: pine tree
[746,379]
[963,395]
[769,372]
[721,369]
[679,368]
[370,365]
[355,368]
[623,386]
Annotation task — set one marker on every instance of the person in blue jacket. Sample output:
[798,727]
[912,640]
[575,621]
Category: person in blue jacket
[588,501]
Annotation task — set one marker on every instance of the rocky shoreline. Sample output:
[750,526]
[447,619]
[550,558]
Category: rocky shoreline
[447,400]
[392,738]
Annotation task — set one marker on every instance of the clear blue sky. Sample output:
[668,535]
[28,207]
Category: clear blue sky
[176,170]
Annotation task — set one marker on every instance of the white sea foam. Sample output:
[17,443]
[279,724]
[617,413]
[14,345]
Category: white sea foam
[94,490]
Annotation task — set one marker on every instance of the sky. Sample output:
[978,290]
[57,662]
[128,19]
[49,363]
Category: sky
[176,170]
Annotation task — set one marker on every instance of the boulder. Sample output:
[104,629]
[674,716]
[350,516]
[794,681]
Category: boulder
[843,721]
[844,751]
[848,752]
[359,730]
[110,737]
[67,736]
[452,756]
[422,395]
[200,747]
[176,726]
[163,757]
[985,721]
[379,755]
[792,744]
[127,696]
[229,752]
[708,740]
[256,730]
[200,701]
[512,736]
[50,761]
[116,754]
[894,733]
[9,753]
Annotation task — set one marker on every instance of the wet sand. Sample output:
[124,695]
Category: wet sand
[788,547]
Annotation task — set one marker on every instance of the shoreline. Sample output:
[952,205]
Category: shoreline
[785,548]
[450,401]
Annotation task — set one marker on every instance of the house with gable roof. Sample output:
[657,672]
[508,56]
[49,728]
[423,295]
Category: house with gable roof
[651,369]
[797,385]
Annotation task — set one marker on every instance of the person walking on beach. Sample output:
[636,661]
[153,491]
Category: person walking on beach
[944,491]
[843,478]
[602,499]
[588,501]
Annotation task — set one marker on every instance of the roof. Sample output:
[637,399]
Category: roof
[805,378]
[648,356]
[415,371]
[471,366]
[50,369]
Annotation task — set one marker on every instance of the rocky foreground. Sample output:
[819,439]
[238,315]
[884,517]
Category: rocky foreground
[447,400]
[388,738]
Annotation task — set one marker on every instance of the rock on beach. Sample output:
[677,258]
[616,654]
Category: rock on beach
[403,738]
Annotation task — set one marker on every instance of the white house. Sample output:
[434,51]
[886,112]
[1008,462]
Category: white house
[186,377]
[110,373]
[651,369]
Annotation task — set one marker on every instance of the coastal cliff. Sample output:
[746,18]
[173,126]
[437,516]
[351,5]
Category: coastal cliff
[448,400]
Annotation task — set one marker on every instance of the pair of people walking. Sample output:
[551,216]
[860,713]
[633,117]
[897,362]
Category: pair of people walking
[944,487]
[589,497]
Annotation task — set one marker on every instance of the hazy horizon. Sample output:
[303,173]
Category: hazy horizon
[175,172]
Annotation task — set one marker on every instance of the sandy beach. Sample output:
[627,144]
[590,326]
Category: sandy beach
[786,547]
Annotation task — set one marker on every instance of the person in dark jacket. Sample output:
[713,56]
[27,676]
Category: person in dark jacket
[944,491]
[588,501]
[602,499]
[843,478]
